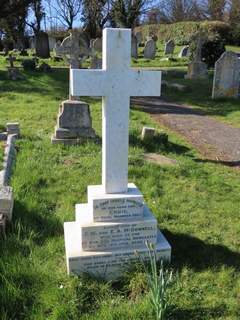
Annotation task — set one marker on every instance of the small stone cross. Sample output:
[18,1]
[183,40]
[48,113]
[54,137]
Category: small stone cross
[116,83]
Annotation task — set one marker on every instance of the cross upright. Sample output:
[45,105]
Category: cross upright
[116,83]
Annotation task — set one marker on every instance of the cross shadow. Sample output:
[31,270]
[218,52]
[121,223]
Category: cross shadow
[225,163]
[157,144]
[197,313]
[29,224]
[149,105]
[199,255]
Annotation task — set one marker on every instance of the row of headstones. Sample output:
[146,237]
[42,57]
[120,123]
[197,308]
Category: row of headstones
[83,49]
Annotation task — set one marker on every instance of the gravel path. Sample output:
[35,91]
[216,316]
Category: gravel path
[215,140]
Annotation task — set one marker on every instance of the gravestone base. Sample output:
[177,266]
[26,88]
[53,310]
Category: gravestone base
[107,264]
[74,125]
[197,70]
[108,231]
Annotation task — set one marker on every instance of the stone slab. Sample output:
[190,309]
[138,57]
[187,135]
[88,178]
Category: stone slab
[115,206]
[69,141]
[13,128]
[6,201]
[105,264]
[73,133]
[115,235]
[159,159]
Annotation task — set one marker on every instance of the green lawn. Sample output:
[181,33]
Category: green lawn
[196,204]
[233,48]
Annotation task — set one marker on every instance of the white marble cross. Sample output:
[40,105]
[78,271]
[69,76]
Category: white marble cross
[116,83]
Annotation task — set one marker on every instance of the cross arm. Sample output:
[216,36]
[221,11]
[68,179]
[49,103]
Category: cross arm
[87,82]
[146,83]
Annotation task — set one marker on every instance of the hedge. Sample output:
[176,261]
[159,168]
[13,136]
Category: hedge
[181,32]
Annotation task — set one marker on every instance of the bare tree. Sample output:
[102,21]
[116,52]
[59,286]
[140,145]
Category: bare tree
[214,9]
[66,11]
[95,15]
[234,12]
[180,10]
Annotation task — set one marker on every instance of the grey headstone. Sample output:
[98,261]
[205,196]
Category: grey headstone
[134,47]
[6,201]
[197,70]
[74,122]
[139,37]
[150,49]
[226,76]
[42,45]
[169,47]
[147,133]
[13,128]
[184,52]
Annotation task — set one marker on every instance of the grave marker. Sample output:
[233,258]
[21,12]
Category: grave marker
[226,76]
[115,221]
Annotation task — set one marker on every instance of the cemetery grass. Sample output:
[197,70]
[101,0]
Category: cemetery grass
[196,204]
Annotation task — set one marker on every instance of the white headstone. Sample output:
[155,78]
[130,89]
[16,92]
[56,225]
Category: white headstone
[115,221]
[226,76]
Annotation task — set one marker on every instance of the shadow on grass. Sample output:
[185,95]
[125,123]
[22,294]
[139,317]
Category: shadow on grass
[199,93]
[157,143]
[225,163]
[197,313]
[31,226]
[35,82]
[199,255]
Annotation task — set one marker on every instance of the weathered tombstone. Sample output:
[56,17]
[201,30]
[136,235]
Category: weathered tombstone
[134,47]
[184,52]
[115,222]
[147,133]
[3,222]
[169,47]
[150,49]
[197,69]
[13,128]
[42,45]
[139,37]
[6,201]
[226,76]
[74,123]
[97,44]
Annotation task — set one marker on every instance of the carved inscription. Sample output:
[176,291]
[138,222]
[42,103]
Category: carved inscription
[110,263]
[110,209]
[119,236]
